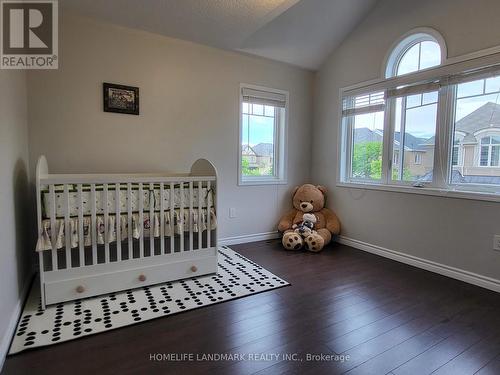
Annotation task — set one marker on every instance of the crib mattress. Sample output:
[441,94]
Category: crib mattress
[149,197]
[172,225]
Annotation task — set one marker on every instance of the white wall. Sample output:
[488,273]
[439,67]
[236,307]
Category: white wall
[14,223]
[189,99]
[457,233]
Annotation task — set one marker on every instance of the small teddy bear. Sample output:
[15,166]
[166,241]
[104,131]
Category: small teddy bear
[306,227]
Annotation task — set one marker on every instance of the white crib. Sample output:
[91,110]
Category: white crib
[101,233]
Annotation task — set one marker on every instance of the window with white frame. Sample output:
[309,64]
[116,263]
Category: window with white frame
[490,151]
[477,130]
[418,158]
[426,124]
[262,135]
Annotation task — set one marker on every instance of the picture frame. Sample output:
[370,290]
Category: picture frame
[120,98]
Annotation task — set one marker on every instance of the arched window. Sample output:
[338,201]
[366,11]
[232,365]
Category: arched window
[417,51]
[416,114]
[490,151]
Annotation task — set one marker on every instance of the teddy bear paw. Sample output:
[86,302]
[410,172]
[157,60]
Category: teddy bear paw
[292,241]
[314,242]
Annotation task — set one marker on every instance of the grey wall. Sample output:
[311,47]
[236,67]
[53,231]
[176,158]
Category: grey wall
[14,223]
[454,232]
[189,100]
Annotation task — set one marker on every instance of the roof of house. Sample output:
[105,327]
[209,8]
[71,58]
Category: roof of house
[458,178]
[247,150]
[412,143]
[367,135]
[486,116]
[263,149]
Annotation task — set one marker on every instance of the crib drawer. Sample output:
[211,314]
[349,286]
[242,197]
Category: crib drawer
[93,285]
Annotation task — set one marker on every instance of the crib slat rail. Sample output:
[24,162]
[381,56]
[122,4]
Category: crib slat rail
[118,222]
[81,243]
[191,214]
[67,228]
[162,218]
[181,217]
[141,221]
[106,224]
[209,229]
[93,223]
[53,227]
[171,197]
[61,179]
[151,220]
[200,216]
[87,215]
[129,221]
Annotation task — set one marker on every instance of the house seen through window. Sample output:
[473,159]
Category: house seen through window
[262,135]
[414,123]
[390,129]
[258,134]
[477,132]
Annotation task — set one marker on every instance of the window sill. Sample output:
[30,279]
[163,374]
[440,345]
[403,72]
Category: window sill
[261,181]
[457,193]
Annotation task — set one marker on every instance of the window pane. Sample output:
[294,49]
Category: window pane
[245,108]
[422,55]
[245,130]
[484,155]
[478,122]
[454,157]
[414,101]
[257,142]
[493,84]
[470,88]
[430,54]
[418,126]
[269,111]
[430,97]
[258,109]
[366,150]
[409,61]
[495,154]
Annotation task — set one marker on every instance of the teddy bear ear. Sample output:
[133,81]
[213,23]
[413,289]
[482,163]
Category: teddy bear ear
[295,190]
[322,189]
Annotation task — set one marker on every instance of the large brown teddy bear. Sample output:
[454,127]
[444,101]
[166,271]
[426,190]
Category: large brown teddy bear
[309,199]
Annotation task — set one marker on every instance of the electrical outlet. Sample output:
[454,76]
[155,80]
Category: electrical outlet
[232,213]
[496,242]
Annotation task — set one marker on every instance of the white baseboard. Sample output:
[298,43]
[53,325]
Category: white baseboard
[248,238]
[442,269]
[11,328]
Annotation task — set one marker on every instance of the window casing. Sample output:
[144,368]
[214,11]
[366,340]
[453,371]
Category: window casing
[262,135]
[432,149]
[490,152]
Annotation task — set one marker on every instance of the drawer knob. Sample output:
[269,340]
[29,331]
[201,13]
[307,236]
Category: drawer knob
[194,268]
[80,289]
[142,278]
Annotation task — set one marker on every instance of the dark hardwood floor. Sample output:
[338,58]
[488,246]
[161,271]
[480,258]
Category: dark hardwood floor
[379,316]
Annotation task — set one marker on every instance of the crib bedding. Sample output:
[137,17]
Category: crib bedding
[148,197]
[178,225]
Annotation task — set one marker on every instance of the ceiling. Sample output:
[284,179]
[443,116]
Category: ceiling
[297,32]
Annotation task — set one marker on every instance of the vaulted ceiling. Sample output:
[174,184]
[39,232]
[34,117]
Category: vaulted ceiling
[298,32]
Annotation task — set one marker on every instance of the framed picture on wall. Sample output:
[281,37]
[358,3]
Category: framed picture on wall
[120,98]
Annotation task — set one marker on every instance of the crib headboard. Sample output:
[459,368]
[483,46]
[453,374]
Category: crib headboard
[203,167]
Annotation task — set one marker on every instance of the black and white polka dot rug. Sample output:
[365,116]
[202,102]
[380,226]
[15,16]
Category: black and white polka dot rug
[237,277]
